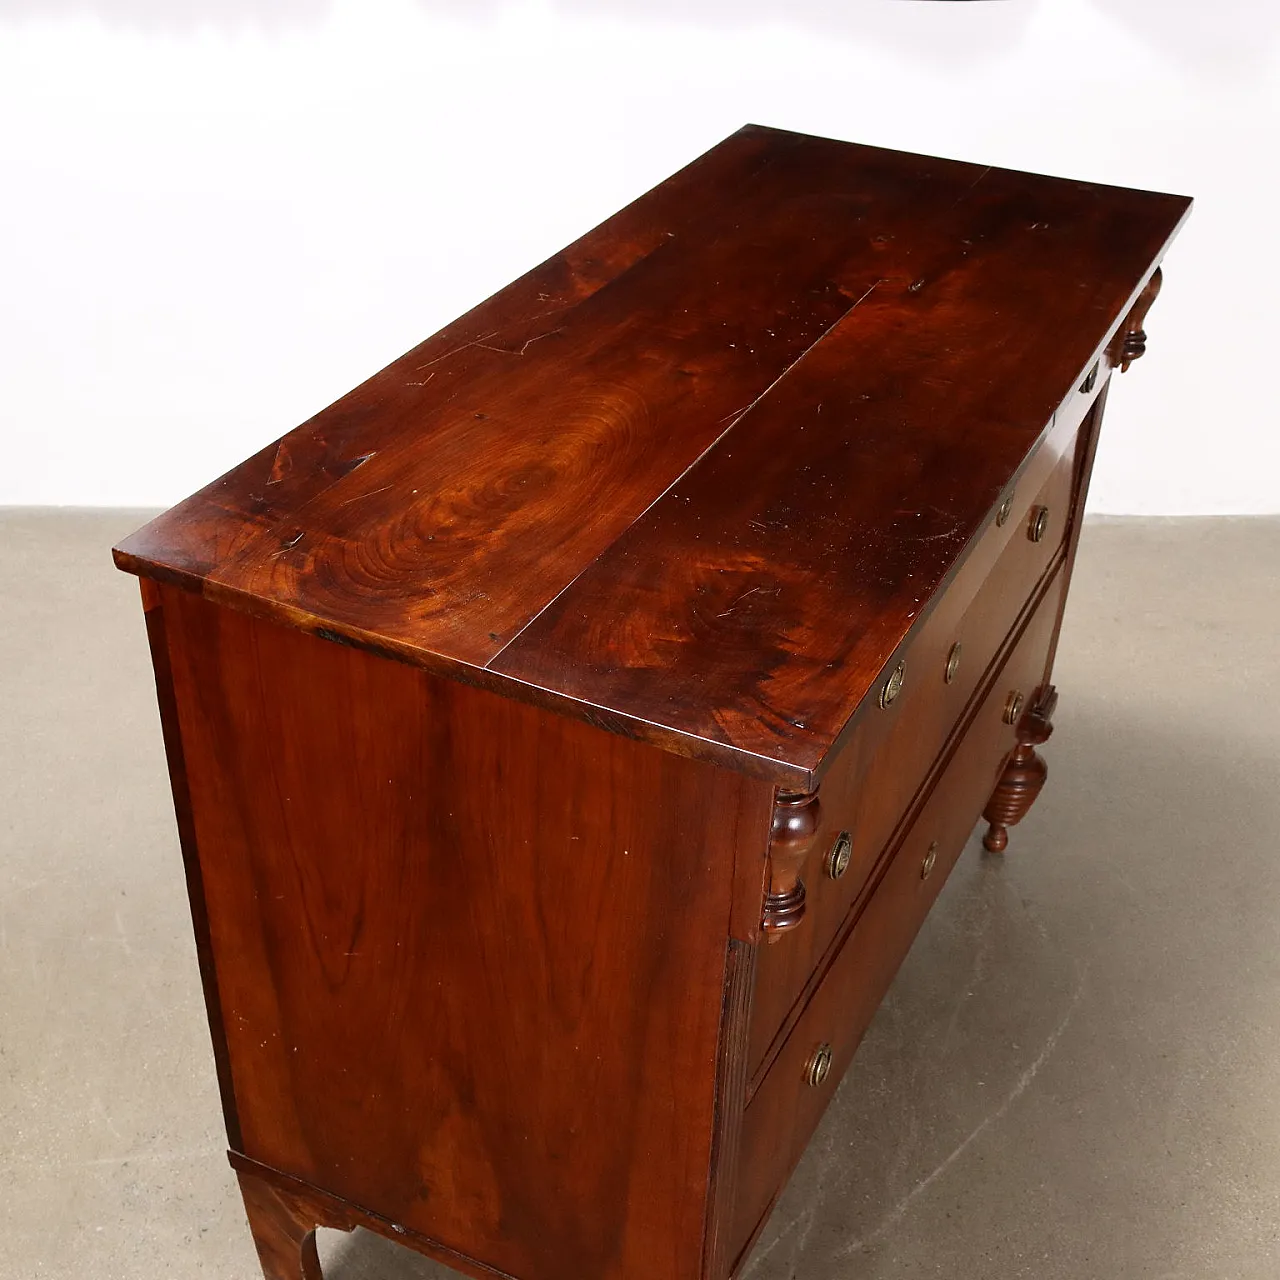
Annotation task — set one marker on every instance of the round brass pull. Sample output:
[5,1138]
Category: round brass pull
[1002,514]
[893,685]
[930,861]
[953,662]
[838,856]
[1039,523]
[1013,707]
[818,1068]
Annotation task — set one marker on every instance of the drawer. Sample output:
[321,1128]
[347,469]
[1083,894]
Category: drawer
[785,1108]
[881,767]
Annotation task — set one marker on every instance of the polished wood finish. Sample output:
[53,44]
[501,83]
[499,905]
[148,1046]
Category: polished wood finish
[875,936]
[796,822]
[283,1221]
[454,901]
[731,1094]
[885,757]
[672,480]
[1024,773]
[158,642]
[285,1212]
[570,728]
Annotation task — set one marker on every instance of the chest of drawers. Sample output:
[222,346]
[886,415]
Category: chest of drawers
[570,728]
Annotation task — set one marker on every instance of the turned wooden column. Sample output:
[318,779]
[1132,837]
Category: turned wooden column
[1024,773]
[796,815]
[1130,342]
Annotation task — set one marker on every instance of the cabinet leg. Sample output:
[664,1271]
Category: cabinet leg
[284,1229]
[1023,775]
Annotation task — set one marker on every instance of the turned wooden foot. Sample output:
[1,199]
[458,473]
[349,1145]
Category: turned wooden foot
[1023,775]
[284,1229]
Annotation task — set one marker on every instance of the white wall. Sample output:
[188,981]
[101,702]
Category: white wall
[218,215]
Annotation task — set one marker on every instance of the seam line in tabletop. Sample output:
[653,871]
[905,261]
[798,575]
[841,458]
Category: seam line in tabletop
[735,418]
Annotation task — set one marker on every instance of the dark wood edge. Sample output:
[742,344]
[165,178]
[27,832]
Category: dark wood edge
[1074,398]
[882,865]
[1090,431]
[675,741]
[730,1106]
[1087,452]
[868,705]
[750,870]
[788,777]
[912,811]
[784,774]
[335,1212]
[158,640]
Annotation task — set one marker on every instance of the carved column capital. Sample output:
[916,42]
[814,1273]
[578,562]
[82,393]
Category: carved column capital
[796,817]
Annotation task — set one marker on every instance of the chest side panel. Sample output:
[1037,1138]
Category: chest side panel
[470,955]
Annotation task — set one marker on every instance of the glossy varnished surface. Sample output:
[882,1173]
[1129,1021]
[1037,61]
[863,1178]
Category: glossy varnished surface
[880,767]
[469,954]
[696,477]
[785,1108]
[1112,937]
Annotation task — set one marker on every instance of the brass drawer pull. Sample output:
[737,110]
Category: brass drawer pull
[838,858]
[1002,515]
[953,662]
[930,861]
[1039,523]
[893,685]
[818,1068]
[1013,707]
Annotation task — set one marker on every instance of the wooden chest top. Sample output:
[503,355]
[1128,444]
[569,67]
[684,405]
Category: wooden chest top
[696,477]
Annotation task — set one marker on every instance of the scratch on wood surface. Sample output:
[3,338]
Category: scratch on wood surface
[971,185]
[453,351]
[281,465]
[844,315]
[358,496]
[933,537]
[507,351]
[484,343]
[351,464]
[750,592]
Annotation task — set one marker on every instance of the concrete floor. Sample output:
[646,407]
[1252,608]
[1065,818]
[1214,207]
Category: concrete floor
[1076,1075]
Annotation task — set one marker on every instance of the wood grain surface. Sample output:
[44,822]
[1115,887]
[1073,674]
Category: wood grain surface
[471,955]
[785,1108]
[876,773]
[697,477]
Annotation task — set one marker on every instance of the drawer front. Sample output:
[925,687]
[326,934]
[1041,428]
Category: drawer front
[786,1106]
[881,767]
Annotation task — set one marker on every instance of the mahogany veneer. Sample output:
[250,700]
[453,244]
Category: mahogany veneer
[571,727]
